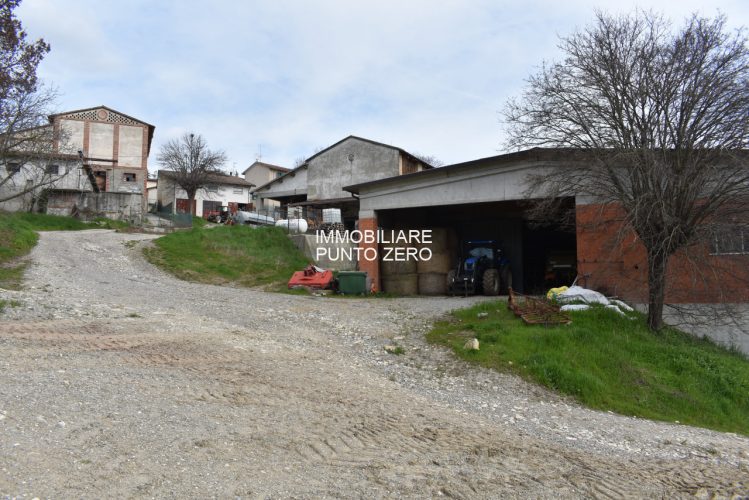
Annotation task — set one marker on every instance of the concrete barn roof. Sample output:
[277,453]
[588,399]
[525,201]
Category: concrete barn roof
[561,155]
[534,154]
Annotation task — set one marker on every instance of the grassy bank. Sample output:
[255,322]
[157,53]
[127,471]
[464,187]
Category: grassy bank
[18,236]
[198,221]
[612,363]
[236,255]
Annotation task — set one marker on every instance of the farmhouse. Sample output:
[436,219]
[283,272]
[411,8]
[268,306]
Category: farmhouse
[99,160]
[220,190]
[486,199]
[318,182]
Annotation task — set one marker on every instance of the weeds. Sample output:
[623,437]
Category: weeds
[609,362]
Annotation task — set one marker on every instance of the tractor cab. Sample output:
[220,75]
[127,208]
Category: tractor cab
[219,216]
[481,269]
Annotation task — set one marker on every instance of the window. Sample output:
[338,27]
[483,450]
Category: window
[238,190]
[13,168]
[128,177]
[278,174]
[53,169]
[211,188]
[100,177]
[729,240]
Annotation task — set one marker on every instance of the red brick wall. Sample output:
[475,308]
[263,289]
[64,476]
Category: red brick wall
[613,260]
[372,267]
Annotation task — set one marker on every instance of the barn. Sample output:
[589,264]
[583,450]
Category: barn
[487,200]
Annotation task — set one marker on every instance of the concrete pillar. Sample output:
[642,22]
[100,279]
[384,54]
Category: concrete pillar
[372,267]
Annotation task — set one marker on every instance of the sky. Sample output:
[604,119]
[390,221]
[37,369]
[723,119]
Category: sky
[281,79]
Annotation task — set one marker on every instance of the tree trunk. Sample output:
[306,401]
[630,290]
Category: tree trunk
[657,262]
[191,202]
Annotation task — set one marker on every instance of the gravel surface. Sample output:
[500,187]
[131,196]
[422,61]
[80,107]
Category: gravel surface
[119,380]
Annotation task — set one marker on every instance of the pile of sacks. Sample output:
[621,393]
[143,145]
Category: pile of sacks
[567,295]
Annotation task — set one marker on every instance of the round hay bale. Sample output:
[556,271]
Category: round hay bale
[438,263]
[432,284]
[397,267]
[443,253]
[401,284]
[440,237]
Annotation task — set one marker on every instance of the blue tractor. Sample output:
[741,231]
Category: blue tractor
[481,269]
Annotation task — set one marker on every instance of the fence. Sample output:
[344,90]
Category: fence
[314,219]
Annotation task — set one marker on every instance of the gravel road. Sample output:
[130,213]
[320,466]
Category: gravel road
[118,380]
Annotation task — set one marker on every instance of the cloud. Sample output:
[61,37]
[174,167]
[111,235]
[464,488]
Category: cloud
[292,75]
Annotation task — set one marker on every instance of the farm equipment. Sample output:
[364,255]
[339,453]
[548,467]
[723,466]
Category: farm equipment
[481,269]
[219,216]
[561,268]
[312,277]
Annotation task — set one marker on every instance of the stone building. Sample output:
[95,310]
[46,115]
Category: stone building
[100,161]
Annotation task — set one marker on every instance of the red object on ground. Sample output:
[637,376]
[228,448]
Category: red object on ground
[311,278]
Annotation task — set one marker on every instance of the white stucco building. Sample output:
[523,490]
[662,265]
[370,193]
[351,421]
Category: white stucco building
[220,190]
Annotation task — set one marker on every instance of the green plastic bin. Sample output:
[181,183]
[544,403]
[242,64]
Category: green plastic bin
[352,282]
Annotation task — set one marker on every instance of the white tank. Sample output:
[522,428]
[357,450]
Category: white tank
[252,218]
[293,225]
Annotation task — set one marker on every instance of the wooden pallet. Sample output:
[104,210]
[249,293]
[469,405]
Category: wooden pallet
[536,311]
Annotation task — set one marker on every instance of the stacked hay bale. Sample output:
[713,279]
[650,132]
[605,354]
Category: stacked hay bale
[432,273]
[398,277]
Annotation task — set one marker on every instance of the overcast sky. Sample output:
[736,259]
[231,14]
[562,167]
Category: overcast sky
[284,78]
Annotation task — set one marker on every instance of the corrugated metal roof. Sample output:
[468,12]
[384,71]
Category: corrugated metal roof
[215,178]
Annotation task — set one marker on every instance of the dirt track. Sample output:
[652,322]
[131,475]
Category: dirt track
[118,380]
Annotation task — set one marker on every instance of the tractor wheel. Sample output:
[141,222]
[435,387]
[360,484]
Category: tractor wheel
[505,279]
[491,282]
[450,282]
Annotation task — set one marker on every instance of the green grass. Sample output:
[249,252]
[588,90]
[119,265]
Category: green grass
[104,223]
[609,362]
[18,236]
[236,255]
[8,303]
[396,351]
[198,221]
[45,222]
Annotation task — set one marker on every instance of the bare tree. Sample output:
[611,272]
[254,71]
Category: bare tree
[662,118]
[27,140]
[191,162]
[430,160]
[300,161]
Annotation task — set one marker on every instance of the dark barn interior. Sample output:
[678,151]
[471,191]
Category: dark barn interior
[541,255]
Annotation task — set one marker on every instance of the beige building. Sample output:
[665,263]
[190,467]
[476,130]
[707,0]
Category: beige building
[152,188]
[96,150]
[114,147]
[259,174]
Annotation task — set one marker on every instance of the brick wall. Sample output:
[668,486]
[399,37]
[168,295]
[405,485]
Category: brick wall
[372,268]
[613,260]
